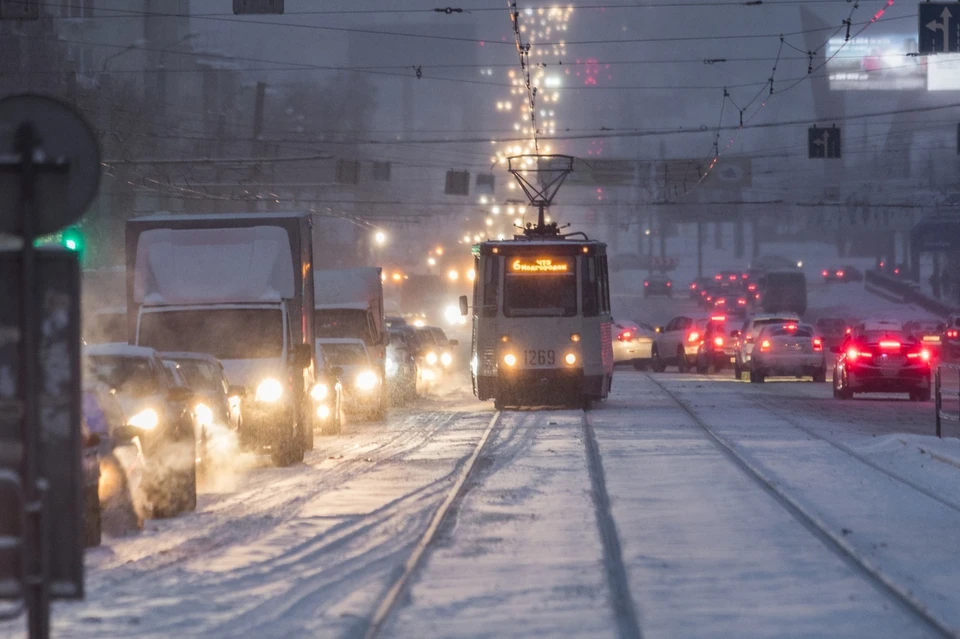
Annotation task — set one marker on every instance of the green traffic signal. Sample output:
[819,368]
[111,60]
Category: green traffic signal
[72,239]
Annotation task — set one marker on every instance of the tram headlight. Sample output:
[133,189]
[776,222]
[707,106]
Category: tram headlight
[510,360]
[570,359]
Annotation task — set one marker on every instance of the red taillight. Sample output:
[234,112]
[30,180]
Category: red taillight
[741,302]
[625,336]
[694,336]
[848,331]
[718,341]
[817,345]
[839,273]
[925,355]
[791,327]
[646,283]
[953,333]
[745,275]
[719,318]
[896,271]
[693,286]
[733,278]
[826,273]
[669,284]
[718,277]
[765,346]
[751,287]
[890,345]
[853,354]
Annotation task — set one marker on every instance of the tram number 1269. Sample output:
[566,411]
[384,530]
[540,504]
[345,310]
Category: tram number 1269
[540,358]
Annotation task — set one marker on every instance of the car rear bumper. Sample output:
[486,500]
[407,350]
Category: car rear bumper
[875,380]
[798,364]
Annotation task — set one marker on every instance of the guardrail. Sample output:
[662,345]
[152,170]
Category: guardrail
[904,291]
[938,396]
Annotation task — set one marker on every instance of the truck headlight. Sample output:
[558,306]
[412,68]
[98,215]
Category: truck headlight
[203,414]
[432,358]
[269,390]
[146,419]
[319,392]
[366,381]
[446,359]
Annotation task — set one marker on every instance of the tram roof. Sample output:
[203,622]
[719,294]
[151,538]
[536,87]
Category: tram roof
[559,246]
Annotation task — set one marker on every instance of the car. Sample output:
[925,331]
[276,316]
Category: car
[216,403]
[441,349]
[698,285]
[717,347]
[677,343]
[783,291]
[657,284]
[401,367]
[832,330]
[882,360]
[788,350]
[729,280]
[327,395]
[929,333]
[157,411]
[349,360]
[709,293]
[842,274]
[633,344]
[950,342]
[748,333]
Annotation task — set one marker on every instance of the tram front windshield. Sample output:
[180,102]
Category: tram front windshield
[545,287]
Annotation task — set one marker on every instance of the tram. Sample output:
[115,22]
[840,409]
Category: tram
[542,331]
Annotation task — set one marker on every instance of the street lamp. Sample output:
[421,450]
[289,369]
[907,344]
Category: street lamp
[380,238]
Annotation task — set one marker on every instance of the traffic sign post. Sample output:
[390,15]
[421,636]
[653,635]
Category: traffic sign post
[823,143]
[939,27]
[45,173]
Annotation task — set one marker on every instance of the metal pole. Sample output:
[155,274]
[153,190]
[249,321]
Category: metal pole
[35,589]
[938,401]
[699,249]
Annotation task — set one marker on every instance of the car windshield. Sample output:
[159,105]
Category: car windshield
[344,354]
[541,293]
[343,323]
[200,375]
[127,374]
[875,337]
[223,333]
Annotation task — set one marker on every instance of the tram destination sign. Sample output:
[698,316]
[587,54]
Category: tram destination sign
[542,265]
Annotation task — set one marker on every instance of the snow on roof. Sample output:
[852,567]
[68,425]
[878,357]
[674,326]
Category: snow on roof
[206,357]
[189,266]
[335,288]
[119,349]
[170,217]
[353,306]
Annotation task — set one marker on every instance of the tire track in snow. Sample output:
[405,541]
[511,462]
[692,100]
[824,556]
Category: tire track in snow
[835,542]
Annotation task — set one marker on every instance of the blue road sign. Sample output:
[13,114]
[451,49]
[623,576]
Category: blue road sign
[939,29]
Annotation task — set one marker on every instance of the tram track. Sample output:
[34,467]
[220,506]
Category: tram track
[897,592]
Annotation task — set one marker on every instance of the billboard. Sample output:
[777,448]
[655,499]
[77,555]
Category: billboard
[889,63]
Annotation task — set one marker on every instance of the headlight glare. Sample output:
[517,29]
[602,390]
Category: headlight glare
[446,359]
[319,392]
[366,381]
[269,390]
[510,359]
[203,414]
[431,358]
[146,419]
[570,359]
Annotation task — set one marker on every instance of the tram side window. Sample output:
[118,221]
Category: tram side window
[491,282]
[592,291]
[477,283]
[604,284]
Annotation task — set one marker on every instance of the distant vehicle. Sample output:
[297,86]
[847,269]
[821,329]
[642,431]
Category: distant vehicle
[729,280]
[782,291]
[240,287]
[632,344]
[677,343]
[842,274]
[929,333]
[157,412]
[216,403]
[882,361]
[788,350]
[698,285]
[657,284]
[832,330]
[767,263]
[717,347]
[748,334]
[950,346]
[327,395]
[439,349]
[349,304]
[358,373]
[395,321]
[401,366]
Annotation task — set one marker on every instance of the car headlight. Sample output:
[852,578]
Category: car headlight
[431,358]
[366,381]
[323,411]
[319,392]
[203,414]
[446,359]
[146,419]
[269,390]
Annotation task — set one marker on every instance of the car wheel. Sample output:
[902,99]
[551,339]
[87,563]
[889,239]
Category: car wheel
[841,387]
[308,432]
[820,376]
[682,365]
[92,534]
[922,395]
[498,403]
[657,364]
[289,449]
[737,371]
[172,479]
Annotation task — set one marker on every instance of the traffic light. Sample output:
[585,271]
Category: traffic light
[72,239]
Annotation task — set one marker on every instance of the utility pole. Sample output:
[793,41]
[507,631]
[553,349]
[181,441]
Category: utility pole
[255,144]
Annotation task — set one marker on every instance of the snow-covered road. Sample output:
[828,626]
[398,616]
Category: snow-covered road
[723,509]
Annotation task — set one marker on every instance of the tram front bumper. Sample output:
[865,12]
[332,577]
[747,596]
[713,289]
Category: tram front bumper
[560,385]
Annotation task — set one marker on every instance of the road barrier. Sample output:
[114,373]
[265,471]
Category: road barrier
[904,291]
[938,396]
